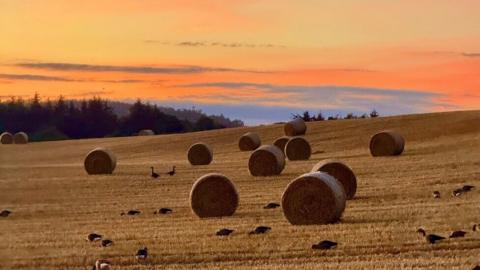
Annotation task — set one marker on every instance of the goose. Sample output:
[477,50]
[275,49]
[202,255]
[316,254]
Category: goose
[5,213]
[475,227]
[422,232]
[325,244]
[154,174]
[433,238]
[271,205]
[101,265]
[457,234]
[142,254]
[107,243]
[224,232]
[172,172]
[94,237]
[133,212]
[436,194]
[165,211]
[457,192]
[467,188]
[260,230]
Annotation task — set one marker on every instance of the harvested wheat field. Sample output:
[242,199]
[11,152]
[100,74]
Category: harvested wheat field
[55,204]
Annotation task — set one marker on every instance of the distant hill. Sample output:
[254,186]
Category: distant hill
[192,115]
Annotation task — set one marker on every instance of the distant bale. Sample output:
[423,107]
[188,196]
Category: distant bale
[340,171]
[146,132]
[213,195]
[387,143]
[313,198]
[281,142]
[298,148]
[100,161]
[266,161]
[200,154]
[249,141]
[6,138]
[295,127]
[20,138]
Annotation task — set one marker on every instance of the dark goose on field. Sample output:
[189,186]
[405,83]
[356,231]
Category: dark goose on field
[260,230]
[224,232]
[325,244]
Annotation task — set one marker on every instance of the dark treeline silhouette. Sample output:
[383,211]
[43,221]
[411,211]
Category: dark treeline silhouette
[307,117]
[190,114]
[93,118]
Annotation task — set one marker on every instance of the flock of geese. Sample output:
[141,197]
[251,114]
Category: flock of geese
[434,238]
[142,253]
[456,193]
[155,175]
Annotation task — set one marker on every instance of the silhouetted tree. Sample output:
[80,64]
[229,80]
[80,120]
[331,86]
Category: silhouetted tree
[336,117]
[99,119]
[350,116]
[204,123]
[306,116]
[374,114]
[146,116]
[319,117]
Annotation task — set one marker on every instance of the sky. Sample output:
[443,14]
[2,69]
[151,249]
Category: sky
[258,60]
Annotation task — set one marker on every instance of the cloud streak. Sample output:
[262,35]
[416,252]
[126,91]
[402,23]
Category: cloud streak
[216,44]
[31,77]
[466,54]
[120,81]
[90,93]
[34,77]
[130,69]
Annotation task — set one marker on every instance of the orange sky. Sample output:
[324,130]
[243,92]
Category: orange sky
[146,49]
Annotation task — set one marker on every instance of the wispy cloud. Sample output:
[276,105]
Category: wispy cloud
[130,69]
[448,53]
[120,81]
[31,77]
[466,54]
[217,44]
[91,93]
[34,77]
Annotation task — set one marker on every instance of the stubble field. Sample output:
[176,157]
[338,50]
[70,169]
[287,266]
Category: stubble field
[55,204]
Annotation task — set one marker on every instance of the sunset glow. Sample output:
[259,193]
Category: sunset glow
[402,57]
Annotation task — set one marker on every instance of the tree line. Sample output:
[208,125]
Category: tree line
[308,117]
[92,118]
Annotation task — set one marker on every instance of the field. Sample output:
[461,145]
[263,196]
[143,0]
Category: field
[55,204]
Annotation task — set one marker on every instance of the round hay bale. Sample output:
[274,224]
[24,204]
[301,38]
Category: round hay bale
[298,148]
[387,143]
[295,127]
[249,141]
[100,161]
[340,171]
[281,142]
[266,161]
[213,195]
[313,198]
[6,138]
[146,132]
[20,138]
[200,154]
